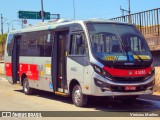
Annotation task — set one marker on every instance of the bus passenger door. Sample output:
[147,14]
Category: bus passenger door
[59,78]
[15,59]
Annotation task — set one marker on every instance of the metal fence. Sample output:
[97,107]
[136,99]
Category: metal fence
[147,21]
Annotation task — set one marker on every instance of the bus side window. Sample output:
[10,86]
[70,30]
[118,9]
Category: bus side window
[32,45]
[48,44]
[78,44]
[45,41]
[24,44]
[40,44]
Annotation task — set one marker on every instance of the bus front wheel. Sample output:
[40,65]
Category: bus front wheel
[26,89]
[78,98]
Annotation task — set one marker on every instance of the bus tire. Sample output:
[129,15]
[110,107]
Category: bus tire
[78,98]
[26,89]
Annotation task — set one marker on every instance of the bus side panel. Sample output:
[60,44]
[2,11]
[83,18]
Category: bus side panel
[29,67]
[80,72]
[25,63]
[8,69]
[74,70]
[44,78]
[88,79]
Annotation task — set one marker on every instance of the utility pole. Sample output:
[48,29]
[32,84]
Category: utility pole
[1,24]
[42,12]
[123,10]
[74,10]
[8,26]
[129,7]
[129,11]
[22,24]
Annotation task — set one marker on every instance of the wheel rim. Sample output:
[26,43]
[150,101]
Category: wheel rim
[77,95]
[26,86]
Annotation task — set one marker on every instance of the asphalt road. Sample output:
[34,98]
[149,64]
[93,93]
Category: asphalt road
[12,98]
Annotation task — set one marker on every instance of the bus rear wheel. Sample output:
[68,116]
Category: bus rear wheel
[26,89]
[78,98]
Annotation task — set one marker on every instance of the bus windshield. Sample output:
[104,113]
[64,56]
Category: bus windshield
[116,42]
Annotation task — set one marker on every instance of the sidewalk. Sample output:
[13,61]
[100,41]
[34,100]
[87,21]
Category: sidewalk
[157,93]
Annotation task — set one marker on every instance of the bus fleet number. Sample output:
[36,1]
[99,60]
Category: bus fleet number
[140,72]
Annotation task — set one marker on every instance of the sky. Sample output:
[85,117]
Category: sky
[84,9]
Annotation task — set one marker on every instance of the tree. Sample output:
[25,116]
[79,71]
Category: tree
[3,38]
[2,43]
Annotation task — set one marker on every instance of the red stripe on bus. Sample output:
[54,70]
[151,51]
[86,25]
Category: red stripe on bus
[129,72]
[8,69]
[29,69]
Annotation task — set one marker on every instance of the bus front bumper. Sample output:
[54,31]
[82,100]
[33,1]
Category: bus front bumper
[103,87]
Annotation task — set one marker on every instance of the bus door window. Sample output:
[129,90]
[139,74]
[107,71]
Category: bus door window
[62,38]
[10,44]
[60,48]
[15,59]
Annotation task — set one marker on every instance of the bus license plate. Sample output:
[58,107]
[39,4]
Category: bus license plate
[130,88]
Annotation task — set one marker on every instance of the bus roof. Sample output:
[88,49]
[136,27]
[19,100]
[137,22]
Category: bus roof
[55,23]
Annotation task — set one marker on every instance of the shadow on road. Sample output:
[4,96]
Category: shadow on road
[106,103]
[49,95]
[139,105]
[151,97]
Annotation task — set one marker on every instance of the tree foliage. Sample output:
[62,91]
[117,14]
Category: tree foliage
[3,38]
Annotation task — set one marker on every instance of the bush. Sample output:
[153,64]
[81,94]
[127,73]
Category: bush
[3,38]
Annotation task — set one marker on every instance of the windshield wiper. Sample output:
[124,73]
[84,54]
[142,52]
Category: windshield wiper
[142,61]
[123,47]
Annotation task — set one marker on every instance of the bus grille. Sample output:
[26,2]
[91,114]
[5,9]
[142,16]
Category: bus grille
[128,80]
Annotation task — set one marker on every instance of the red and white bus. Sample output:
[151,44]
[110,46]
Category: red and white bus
[80,59]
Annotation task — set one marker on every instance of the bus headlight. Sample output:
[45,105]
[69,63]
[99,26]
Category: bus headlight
[97,69]
[102,72]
